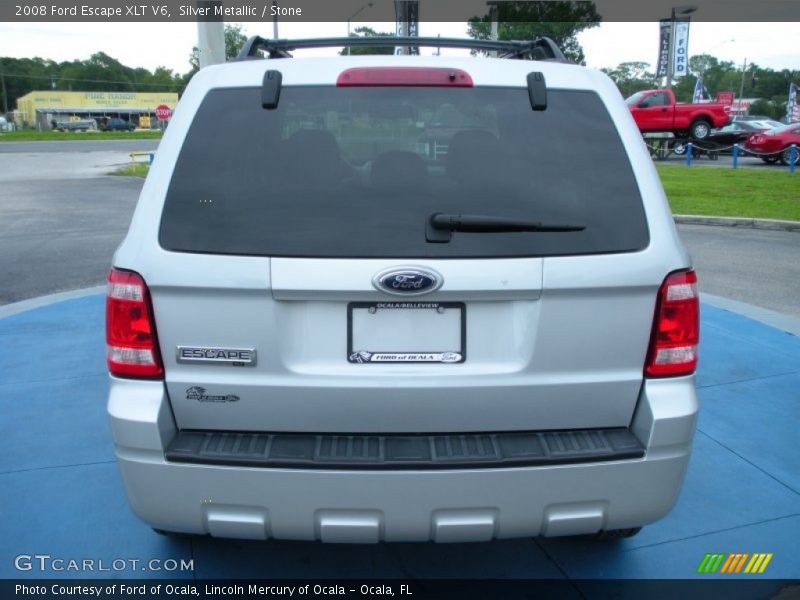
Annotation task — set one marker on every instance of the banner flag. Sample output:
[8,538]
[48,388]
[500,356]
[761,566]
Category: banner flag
[700,91]
[792,109]
[663,47]
[680,59]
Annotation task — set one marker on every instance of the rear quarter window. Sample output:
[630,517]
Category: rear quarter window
[357,172]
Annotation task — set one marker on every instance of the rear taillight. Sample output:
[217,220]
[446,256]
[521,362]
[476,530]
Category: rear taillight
[132,346]
[403,76]
[676,328]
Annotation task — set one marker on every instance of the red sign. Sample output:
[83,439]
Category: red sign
[163,112]
[725,97]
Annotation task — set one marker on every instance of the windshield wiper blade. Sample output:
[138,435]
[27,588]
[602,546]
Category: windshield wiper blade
[440,226]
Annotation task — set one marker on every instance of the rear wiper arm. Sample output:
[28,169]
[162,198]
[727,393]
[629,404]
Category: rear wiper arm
[440,226]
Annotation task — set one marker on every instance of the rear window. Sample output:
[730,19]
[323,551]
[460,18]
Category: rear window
[357,172]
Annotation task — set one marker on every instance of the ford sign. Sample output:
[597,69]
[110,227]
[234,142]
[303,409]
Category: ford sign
[407,281]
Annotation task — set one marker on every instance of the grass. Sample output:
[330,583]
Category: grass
[60,136]
[133,170]
[759,194]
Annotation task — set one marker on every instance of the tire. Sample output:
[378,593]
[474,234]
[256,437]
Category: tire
[617,534]
[700,129]
[679,149]
[786,156]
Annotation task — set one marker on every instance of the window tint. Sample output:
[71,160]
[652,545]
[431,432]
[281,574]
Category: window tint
[357,172]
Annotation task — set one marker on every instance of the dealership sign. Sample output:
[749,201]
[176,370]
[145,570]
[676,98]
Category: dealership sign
[663,48]
[680,57]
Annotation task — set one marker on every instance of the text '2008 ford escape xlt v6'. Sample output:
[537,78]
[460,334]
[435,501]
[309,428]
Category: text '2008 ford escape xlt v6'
[377,298]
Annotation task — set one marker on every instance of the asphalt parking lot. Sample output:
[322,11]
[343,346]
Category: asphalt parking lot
[77,146]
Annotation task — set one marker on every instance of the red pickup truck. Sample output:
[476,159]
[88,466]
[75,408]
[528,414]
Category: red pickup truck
[656,110]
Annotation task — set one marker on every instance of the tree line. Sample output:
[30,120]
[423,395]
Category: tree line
[561,21]
[100,72]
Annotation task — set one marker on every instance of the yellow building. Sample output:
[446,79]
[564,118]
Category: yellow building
[40,108]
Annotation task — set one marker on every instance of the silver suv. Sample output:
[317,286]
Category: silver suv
[389,298]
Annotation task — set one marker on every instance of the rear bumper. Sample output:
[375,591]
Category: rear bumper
[444,505]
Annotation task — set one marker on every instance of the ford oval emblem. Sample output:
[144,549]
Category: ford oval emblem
[408,281]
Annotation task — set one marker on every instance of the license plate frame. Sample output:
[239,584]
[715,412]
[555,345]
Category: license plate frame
[388,356]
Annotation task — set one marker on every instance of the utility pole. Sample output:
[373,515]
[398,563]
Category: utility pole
[350,18]
[3,87]
[493,16]
[275,20]
[210,37]
[741,86]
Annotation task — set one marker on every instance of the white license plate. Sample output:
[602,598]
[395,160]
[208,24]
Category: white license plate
[406,332]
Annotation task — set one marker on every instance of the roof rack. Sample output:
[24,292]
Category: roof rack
[280,48]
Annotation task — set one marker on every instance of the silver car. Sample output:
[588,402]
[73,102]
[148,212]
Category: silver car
[385,298]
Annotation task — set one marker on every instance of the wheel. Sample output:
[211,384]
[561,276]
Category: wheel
[786,156]
[700,129]
[679,148]
[617,534]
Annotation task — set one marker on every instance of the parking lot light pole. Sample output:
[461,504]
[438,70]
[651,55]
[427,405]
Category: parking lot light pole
[493,16]
[683,11]
[353,16]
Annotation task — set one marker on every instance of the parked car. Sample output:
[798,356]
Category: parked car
[317,331]
[115,124]
[78,125]
[721,140]
[750,118]
[776,144]
[766,124]
[657,110]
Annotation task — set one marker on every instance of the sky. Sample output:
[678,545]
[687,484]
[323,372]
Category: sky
[148,45]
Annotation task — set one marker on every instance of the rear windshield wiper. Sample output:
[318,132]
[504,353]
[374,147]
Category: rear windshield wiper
[440,226]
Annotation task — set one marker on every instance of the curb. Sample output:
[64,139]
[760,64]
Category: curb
[24,305]
[742,222]
[785,323]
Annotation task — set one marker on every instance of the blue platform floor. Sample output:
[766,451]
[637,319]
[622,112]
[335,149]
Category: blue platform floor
[61,493]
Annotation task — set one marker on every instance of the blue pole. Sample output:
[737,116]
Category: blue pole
[735,155]
[792,158]
[689,154]
[151,156]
